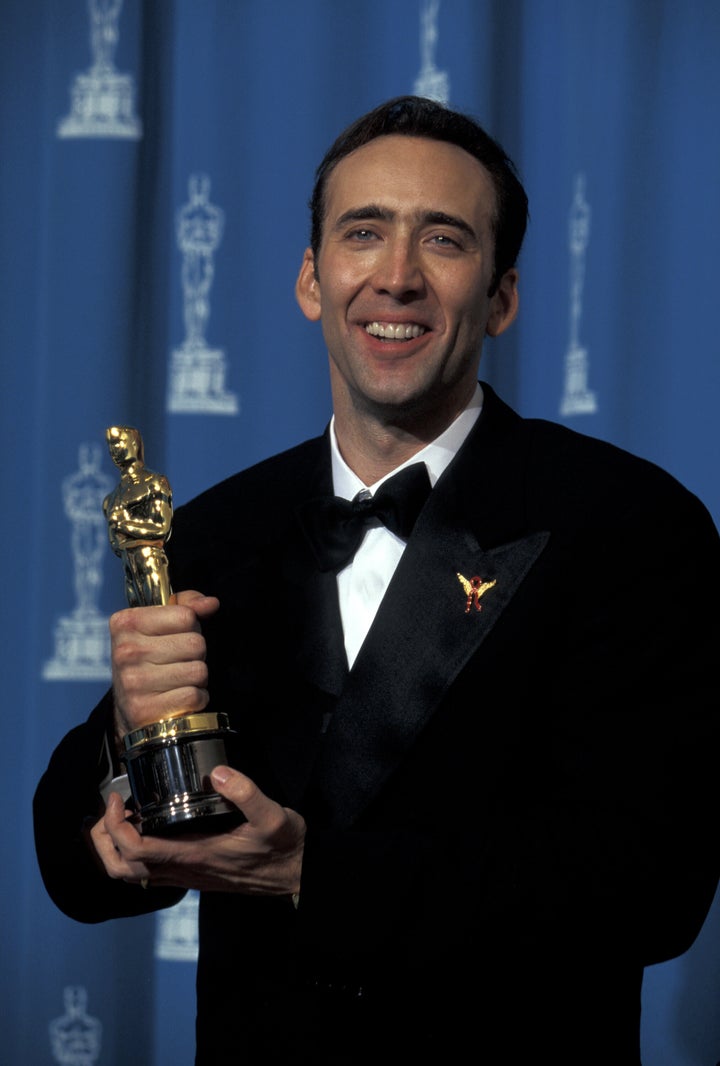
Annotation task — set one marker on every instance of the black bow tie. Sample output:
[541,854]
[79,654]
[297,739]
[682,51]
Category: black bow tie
[335,527]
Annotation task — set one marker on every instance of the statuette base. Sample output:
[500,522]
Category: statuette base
[168,766]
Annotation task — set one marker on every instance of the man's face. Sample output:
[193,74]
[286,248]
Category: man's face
[402,278]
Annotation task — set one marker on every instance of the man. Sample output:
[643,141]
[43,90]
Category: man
[479,757]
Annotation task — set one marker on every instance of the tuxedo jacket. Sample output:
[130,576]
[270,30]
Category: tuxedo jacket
[511,798]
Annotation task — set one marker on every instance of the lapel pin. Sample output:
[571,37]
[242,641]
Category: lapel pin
[474,589]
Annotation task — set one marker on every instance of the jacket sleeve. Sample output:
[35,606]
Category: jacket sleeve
[67,802]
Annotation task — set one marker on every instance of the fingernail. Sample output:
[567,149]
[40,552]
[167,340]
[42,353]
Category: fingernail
[221,774]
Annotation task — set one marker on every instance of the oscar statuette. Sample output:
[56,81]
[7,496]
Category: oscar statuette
[168,762]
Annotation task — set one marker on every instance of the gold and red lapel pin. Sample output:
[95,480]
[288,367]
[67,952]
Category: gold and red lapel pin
[474,588]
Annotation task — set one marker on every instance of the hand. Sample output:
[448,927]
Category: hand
[261,857]
[158,661]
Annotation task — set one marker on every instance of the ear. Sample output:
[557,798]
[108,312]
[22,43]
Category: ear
[504,304]
[307,288]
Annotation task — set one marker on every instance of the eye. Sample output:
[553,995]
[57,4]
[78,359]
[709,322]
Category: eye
[444,240]
[361,234]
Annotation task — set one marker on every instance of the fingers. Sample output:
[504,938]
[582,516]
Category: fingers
[118,843]
[158,659]
[157,680]
[180,616]
[263,856]
[269,846]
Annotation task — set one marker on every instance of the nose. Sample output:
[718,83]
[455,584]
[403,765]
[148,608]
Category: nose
[398,271]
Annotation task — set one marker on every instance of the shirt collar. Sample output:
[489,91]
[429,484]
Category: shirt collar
[436,455]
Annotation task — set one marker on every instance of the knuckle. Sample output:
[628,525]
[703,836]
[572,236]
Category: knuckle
[186,618]
[197,673]
[278,823]
[245,790]
[125,654]
[115,621]
[114,865]
[121,622]
[191,698]
[197,646]
[131,678]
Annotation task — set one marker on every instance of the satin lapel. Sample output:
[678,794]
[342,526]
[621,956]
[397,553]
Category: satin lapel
[392,689]
[447,594]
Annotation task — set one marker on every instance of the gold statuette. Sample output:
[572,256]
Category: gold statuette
[139,518]
[168,762]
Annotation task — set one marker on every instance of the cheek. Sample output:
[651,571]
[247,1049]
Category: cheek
[334,334]
[346,279]
[467,318]
[461,287]
[466,305]
[345,271]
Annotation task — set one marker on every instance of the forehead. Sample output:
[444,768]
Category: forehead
[412,174]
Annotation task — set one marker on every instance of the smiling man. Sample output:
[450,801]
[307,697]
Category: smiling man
[404,288]
[478,779]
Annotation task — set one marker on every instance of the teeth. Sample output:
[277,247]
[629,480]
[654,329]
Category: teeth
[398,331]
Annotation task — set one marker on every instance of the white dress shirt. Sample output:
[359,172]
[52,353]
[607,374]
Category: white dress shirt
[362,583]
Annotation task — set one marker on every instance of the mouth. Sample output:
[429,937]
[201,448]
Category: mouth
[395,331]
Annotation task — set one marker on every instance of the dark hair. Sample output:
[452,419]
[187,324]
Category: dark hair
[416,116]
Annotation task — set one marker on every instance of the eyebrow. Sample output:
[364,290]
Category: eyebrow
[384,214]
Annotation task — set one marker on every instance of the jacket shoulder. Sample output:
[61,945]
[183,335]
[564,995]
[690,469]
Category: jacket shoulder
[249,508]
[569,471]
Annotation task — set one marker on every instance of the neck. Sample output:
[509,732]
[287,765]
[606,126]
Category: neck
[372,457]
[372,444]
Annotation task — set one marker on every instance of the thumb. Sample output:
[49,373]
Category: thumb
[202,605]
[240,790]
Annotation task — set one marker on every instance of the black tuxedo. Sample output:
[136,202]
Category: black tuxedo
[511,797]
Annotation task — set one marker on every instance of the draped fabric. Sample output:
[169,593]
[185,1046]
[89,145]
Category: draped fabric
[156,158]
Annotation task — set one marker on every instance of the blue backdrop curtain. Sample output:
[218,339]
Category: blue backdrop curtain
[156,157]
